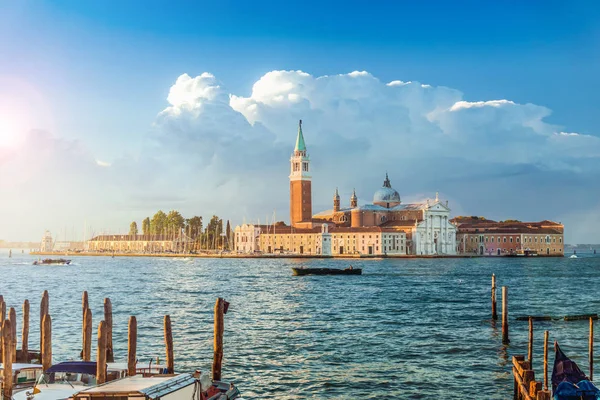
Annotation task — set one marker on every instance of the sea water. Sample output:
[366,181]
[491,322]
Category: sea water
[406,328]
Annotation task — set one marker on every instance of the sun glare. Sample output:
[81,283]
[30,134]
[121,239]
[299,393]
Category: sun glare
[10,131]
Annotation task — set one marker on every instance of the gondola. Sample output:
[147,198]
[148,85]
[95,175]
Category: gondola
[326,271]
[568,381]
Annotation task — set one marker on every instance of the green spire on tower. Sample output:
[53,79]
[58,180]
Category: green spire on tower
[300,146]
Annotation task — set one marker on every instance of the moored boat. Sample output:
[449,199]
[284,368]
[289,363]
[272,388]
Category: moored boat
[569,381]
[24,375]
[526,253]
[49,261]
[326,271]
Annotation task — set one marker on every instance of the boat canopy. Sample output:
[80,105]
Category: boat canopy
[81,367]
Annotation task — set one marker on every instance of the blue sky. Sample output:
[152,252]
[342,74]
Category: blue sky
[99,72]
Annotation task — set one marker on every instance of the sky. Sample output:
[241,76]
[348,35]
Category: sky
[112,110]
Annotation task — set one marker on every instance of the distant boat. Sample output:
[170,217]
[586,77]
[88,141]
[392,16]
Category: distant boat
[526,253]
[49,261]
[10,253]
[573,256]
[326,271]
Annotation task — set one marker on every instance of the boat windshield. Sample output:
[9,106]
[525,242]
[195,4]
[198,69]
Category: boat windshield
[67,378]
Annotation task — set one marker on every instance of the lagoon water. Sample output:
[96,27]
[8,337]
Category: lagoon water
[410,329]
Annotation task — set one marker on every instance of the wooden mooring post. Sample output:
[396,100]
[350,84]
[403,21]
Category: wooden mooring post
[86,352]
[131,346]
[44,310]
[2,319]
[109,329]
[218,339]
[12,317]
[530,347]
[46,348]
[25,333]
[7,356]
[505,339]
[101,356]
[591,349]
[546,334]
[169,344]
[494,311]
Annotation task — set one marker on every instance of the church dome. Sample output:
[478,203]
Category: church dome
[386,196]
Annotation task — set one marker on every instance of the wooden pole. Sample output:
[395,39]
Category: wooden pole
[46,348]
[494,312]
[505,339]
[169,344]
[86,354]
[7,350]
[2,318]
[25,333]
[101,356]
[530,349]
[591,349]
[546,360]
[218,340]
[109,327]
[85,304]
[12,317]
[44,310]
[132,346]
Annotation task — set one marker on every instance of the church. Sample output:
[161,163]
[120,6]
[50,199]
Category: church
[384,227]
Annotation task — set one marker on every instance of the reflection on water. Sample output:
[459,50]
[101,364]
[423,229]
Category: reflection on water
[405,329]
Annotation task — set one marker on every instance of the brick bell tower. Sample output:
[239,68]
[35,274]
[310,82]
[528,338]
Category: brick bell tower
[300,184]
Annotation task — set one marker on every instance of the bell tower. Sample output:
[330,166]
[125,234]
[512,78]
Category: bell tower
[300,184]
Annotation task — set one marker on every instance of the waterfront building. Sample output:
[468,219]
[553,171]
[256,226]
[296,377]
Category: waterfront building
[140,243]
[386,226]
[477,235]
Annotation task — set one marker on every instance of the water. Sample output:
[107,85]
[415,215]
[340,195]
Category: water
[415,328]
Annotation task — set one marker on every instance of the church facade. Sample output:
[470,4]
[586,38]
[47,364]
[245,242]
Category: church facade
[384,227]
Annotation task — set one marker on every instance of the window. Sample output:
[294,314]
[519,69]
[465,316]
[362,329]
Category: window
[518,240]
[511,239]
[305,167]
[504,239]
[492,239]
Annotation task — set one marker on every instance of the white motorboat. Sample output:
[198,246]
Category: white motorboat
[24,375]
[573,256]
[160,387]
[62,380]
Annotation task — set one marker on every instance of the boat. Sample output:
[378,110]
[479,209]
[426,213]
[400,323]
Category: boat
[569,381]
[49,261]
[24,375]
[62,380]
[526,253]
[326,271]
[171,387]
[573,256]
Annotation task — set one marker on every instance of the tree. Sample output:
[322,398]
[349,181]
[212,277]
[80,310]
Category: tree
[158,223]
[174,222]
[213,232]
[228,235]
[193,227]
[146,226]
[133,229]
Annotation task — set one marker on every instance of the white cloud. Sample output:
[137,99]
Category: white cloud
[213,151]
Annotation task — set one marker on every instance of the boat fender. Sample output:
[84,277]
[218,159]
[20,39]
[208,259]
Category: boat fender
[205,382]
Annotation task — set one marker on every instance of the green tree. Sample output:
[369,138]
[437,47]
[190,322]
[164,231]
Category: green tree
[174,222]
[159,223]
[193,227]
[228,235]
[146,226]
[213,232]
[133,229]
